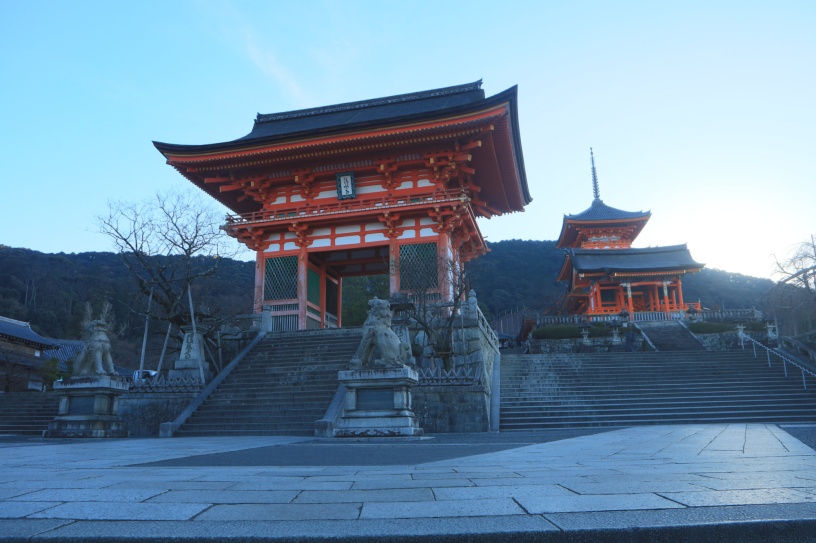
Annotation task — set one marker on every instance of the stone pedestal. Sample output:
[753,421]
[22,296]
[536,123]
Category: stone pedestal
[191,362]
[378,403]
[88,408]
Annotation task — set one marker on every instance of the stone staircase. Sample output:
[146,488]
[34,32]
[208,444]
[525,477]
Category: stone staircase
[625,389]
[27,413]
[283,386]
[670,336]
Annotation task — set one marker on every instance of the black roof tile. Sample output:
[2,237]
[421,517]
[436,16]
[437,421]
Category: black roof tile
[599,211]
[364,111]
[20,331]
[627,260]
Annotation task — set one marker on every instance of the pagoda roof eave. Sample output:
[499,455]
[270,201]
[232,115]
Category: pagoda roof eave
[599,215]
[632,262]
[570,228]
[565,274]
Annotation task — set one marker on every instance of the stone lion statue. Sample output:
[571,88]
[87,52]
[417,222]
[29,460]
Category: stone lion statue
[95,357]
[380,345]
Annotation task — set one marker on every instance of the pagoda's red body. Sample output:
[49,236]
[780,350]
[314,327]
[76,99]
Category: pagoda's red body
[606,275]
[364,188]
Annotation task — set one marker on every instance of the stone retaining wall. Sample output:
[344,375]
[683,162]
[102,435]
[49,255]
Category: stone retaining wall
[444,409]
[143,412]
[454,407]
[577,345]
[725,341]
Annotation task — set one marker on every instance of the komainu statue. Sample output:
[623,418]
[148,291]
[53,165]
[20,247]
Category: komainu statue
[95,357]
[380,345]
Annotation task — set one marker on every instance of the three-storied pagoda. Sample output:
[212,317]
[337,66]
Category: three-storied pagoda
[606,275]
[385,186]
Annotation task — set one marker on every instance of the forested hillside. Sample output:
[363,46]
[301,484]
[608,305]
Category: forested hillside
[519,273]
[50,290]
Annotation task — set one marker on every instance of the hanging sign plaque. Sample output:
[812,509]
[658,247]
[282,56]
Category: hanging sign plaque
[345,186]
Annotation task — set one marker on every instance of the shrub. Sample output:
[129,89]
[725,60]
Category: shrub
[601,330]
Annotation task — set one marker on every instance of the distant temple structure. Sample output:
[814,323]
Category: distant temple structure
[384,186]
[606,275]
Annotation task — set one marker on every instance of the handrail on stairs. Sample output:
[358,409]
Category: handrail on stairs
[785,359]
[167,429]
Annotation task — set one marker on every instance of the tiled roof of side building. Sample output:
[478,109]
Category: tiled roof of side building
[674,257]
[21,332]
[599,211]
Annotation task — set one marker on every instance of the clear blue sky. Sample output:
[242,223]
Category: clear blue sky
[702,112]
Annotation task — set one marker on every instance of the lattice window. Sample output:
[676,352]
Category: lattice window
[331,296]
[313,287]
[280,278]
[418,268]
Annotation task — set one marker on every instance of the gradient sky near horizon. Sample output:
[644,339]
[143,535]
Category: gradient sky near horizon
[701,112]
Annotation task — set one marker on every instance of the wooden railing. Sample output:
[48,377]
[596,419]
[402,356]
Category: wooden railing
[654,316]
[318,208]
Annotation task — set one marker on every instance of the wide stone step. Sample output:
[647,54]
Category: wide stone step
[639,388]
[611,423]
[649,400]
[281,388]
[250,424]
[668,414]
[255,432]
[576,390]
[645,405]
[226,411]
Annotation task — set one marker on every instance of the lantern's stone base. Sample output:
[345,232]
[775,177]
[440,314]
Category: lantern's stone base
[378,403]
[88,408]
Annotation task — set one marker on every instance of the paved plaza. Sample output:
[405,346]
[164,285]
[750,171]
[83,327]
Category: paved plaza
[718,482]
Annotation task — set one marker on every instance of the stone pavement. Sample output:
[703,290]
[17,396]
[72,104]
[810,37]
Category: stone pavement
[713,482]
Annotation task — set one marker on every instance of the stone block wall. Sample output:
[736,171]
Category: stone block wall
[463,403]
[143,412]
[725,341]
[577,345]
[443,409]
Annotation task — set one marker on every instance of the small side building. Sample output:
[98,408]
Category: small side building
[605,275]
[23,356]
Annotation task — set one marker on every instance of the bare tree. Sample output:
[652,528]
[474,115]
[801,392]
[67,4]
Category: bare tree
[168,243]
[794,297]
[799,269]
[436,291]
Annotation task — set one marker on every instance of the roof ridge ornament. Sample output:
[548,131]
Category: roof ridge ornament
[595,189]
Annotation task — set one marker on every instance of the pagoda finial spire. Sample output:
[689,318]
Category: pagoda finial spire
[595,190]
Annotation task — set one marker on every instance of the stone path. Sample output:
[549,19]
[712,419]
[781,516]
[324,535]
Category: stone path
[672,483]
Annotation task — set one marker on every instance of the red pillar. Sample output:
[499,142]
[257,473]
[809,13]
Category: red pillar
[629,301]
[680,293]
